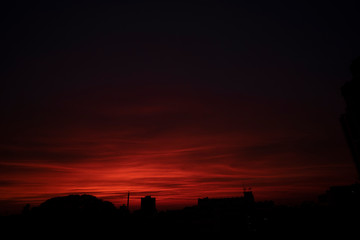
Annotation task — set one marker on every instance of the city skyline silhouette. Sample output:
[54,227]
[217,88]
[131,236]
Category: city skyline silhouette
[86,215]
[178,101]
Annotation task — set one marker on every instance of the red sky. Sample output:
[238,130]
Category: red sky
[174,144]
[175,101]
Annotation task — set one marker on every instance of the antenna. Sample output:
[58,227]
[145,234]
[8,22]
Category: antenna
[128,200]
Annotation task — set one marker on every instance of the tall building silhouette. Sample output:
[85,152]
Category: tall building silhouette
[248,196]
[148,205]
[350,120]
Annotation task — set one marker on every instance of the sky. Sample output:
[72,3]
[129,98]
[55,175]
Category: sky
[179,100]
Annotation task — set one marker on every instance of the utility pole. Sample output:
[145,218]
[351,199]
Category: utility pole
[128,200]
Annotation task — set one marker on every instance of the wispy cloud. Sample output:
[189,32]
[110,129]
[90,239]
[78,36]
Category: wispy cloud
[175,147]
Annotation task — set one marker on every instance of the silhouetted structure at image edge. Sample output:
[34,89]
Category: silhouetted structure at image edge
[350,120]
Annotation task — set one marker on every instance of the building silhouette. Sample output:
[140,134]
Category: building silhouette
[148,205]
[347,196]
[248,196]
[350,120]
[228,203]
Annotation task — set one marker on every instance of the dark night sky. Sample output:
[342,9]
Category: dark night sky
[178,100]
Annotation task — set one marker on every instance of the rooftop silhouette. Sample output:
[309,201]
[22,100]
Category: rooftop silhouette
[86,214]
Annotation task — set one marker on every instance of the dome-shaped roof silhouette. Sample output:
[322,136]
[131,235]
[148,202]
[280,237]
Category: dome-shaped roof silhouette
[76,205]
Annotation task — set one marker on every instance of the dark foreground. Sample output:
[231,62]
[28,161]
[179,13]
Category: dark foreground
[261,220]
